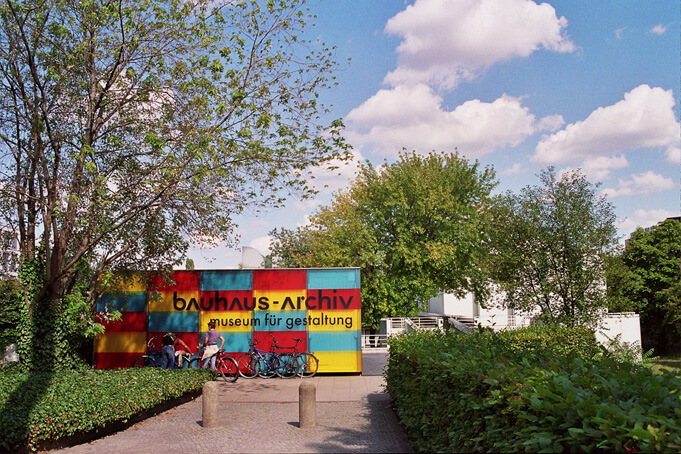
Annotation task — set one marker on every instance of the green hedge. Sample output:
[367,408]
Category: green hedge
[534,390]
[40,407]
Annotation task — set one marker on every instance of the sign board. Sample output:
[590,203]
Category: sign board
[320,306]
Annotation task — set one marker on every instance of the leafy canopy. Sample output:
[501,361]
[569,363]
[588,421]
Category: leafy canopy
[549,243]
[415,227]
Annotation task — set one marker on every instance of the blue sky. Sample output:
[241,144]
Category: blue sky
[516,84]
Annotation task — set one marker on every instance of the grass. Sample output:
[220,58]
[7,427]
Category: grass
[669,363]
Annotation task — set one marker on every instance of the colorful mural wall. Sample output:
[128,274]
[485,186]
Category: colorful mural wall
[320,306]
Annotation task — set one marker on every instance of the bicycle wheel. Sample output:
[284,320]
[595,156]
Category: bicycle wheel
[227,368]
[307,365]
[194,364]
[145,361]
[267,366]
[287,365]
[248,366]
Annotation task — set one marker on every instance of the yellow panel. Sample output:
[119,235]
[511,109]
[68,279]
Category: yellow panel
[174,301]
[334,320]
[227,321]
[280,300]
[121,342]
[339,361]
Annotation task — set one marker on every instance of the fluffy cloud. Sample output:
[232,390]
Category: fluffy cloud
[598,168]
[658,29]
[644,118]
[446,42]
[644,218]
[412,117]
[336,174]
[673,155]
[641,184]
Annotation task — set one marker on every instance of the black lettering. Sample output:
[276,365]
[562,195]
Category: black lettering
[204,307]
[193,302]
[178,303]
[220,299]
[289,323]
[288,301]
[249,307]
[322,299]
[235,302]
[307,302]
[344,304]
[263,303]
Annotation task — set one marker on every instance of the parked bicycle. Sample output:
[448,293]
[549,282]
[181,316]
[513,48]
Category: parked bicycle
[266,364]
[225,365]
[152,357]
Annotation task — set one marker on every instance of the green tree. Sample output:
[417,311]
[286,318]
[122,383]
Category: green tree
[130,128]
[549,244]
[414,227]
[646,279]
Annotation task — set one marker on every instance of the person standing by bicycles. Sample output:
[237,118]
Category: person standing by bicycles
[181,350]
[210,344]
[168,351]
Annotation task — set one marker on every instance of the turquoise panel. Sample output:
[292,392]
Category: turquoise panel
[333,341]
[226,280]
[175,321]
[279,320]
[123,301]
[333,278]
[236,342]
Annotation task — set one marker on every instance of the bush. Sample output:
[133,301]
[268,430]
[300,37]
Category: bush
[39,407]
[521,391]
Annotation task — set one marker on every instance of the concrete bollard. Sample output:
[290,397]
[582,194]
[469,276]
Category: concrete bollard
[209,403]
[307,412]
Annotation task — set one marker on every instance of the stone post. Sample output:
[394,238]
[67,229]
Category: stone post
[209,401]
[307,413]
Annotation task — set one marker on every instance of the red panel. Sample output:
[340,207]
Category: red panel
[227,300]
[115,360]
[284,338]
[185,281]
[279,279]
[129,322]
[340,299]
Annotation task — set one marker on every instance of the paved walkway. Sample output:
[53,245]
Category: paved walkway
[258,416]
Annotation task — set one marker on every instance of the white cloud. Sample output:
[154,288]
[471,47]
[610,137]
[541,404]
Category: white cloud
[412,117]
[673,155]
[644,218]
[658,29]
[445,42]
[598,168]
[514,170]
[329,180]
[640,184]
[645,118]
[620,32]
[261,244]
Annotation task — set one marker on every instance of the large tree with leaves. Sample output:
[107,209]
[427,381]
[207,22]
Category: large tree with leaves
[415,227]
[129,128]
[646,278]
[549,244]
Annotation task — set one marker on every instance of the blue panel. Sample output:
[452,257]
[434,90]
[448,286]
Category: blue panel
[333,278]
[175,321]
[279,320]
[123,301]
[333,341]
[226,280]
[237,342]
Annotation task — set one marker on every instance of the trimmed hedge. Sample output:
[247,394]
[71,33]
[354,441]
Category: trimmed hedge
[36,407]
[529,390]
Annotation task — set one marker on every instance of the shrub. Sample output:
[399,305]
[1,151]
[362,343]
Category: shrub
[38,407]
[519,391]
